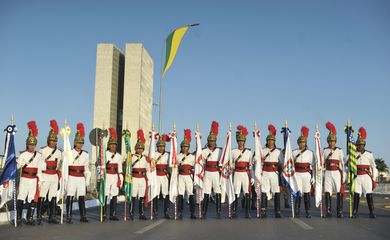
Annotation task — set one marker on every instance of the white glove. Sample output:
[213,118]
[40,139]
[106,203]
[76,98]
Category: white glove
[312,181]
[252,181]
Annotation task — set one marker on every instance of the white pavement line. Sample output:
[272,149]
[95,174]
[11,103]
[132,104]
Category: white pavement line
[301,223]
[150,227]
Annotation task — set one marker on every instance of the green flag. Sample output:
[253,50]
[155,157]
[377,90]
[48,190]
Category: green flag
[128,178]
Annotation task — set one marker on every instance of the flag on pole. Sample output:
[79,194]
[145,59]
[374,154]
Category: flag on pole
[257,158]
[102,167]
[152,176]
[288,170]
[318,170]
[67,158]
[10,167]
[226,173]
[173,162]
[172,45]
[351,158]
[128,177]
[199,166]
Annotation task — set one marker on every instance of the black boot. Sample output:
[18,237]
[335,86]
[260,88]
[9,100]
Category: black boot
[277,205]
[254,198]
[297,207]
[306,199]
[243,202]
[131,208]
[141,209]
[370,203]
[180,206]
[105,209]
[19,211]
[356,200]
[339,206]
[235,206]
[247,205]
[205,205]
[287,198]
[166,207]
[69,207]
[192,206]
[218,205]
[328,205]
[39,210]
[30,213]
[155,208]
[82,209]
[264,205]
[113,204]
[52,211]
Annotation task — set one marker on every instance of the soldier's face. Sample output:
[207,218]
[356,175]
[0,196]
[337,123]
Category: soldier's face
[160,148]
[332,144]
[302,145]
[271,143]
[139,150]
[241,144]
[184,149]
[31,148]
[79,146]
[360,147]
[211,144]
[112,147]
[52,144]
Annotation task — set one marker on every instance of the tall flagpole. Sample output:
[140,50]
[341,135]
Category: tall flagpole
[285,146]
[257,181]
[14,180]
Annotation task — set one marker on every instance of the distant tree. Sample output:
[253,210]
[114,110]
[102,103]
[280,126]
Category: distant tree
[381,165]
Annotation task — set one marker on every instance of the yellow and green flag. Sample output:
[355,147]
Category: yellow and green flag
[172,45]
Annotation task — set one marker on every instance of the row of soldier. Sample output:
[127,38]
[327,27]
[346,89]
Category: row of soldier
[41,173]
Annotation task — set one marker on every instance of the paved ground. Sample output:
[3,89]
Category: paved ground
[270,228]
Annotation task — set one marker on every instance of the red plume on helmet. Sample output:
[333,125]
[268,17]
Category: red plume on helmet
[363,133]
[187,135]
[113,133]
[165,138]
[331,128]
[305,131]
[272,130]
[141,136]
[54,126]
[80,128]
[32,126]
[243,130]
[214,128]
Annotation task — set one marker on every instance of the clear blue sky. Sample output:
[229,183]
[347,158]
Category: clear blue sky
[270,61]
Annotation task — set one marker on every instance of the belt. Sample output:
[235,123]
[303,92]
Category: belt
[363,169]
[212,167]
[76,171]
[139,173]
[270,166]
[112,170]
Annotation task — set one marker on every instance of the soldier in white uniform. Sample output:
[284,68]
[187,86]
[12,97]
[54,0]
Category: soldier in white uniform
[186,163]
[271,170]
[79,176]
[334,173]
[367,173]
[52,158]
[242,178]
[162,159]
[140,167]
[303,164]
[211,160]
[114,175]
[30,161]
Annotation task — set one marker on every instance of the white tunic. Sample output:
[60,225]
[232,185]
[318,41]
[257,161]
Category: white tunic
[49,182]
[28,186]
[211,179]
[270,180]
[333,179]
[76,186]
[162,181]
[364,183]
[303,178]
[139,183]
[111,187]
[241,179]
[185,182]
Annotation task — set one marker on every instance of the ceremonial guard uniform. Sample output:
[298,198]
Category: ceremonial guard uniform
[367,173]
[30,161]
[140,167]
[334,173]
[51,174]
[162,159]
[303,161]
[79,176]
[242,178]
[270,178]
[186,163]
[211,156]
[114,175]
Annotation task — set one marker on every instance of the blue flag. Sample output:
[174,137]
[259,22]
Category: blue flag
[10,171]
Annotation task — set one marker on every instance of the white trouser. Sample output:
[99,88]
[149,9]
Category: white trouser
[270,182]
[48,186]
[332,181]
[138,187]
[76,186]
[241,179]
[303,181]
[162,185]
[363,184]
[211,181]
[27,188]
[111,188]
[185,185]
